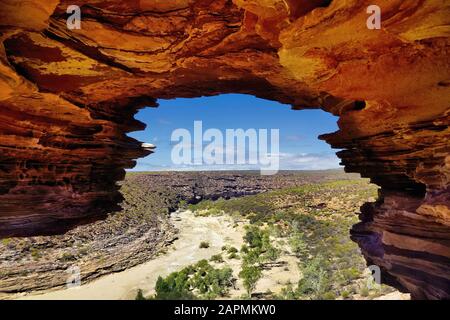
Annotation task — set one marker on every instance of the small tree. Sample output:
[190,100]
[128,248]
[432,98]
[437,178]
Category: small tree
[298,244]
[250,276]
[315,281]
[253,237]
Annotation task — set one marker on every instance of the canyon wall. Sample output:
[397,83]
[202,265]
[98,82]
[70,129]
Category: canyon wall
[68,99]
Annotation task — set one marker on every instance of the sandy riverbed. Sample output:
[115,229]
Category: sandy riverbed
[218,231]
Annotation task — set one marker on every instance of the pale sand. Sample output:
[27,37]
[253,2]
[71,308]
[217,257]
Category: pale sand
[218,231]
[394,296]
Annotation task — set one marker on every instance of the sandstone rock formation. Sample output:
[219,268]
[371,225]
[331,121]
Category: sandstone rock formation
[67,100]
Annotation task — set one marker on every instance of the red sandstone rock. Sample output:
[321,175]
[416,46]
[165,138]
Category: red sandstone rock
[67,100]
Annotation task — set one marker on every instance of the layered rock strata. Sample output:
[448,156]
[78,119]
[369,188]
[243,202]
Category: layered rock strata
[67,100]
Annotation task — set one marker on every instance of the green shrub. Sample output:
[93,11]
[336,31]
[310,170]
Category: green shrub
[204,245]
[364,291]
[244,249]
[232,250]
[140,295]
[345,294]
[66,257]
[315,281]
[174,287]
[35,253]
[253,256]
[250,276]
[351,274]
[329,296]
[199,281]
[254,236]
[217,258]
[271,254]
[298,244]
[233,255]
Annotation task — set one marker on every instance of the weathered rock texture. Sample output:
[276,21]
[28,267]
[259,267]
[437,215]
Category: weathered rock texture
[67,100]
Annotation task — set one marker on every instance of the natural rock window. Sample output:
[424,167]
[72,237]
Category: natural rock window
[67,100]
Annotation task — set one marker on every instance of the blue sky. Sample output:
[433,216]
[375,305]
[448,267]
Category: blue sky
[299,147]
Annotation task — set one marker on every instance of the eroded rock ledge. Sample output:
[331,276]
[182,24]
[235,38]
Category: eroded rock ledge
[67,100]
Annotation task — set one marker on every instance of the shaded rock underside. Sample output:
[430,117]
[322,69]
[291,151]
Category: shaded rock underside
[68,98]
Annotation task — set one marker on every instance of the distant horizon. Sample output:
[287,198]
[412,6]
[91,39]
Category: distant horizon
[300,148]
[240,170]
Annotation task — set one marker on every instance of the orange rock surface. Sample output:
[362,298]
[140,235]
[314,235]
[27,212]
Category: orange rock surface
[68,97]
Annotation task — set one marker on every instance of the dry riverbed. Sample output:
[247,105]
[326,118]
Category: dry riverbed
[133,235]
[216,230]
[304,224]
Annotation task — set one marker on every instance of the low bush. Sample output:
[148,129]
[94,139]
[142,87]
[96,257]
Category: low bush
[233,255]
[199,281]
[217,258]
[204,245]
[232,250]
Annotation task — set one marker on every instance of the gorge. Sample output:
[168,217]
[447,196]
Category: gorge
[68,99]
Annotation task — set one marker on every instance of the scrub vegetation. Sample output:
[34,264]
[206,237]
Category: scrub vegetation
[310,223]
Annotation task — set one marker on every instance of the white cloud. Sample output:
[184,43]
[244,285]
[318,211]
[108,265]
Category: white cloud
[309,161]
[288,161]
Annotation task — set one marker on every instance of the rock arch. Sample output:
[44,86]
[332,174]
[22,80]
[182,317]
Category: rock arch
[67,100]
